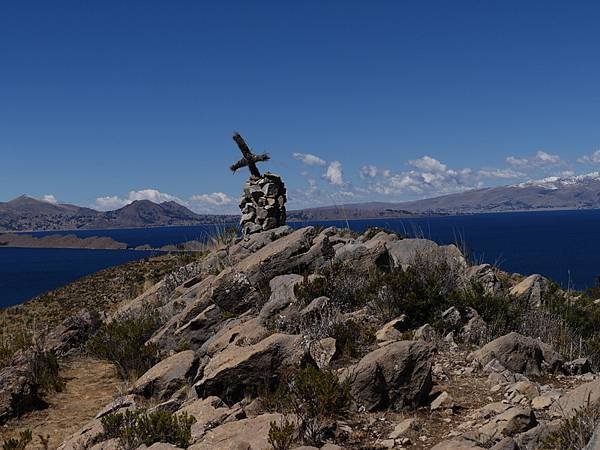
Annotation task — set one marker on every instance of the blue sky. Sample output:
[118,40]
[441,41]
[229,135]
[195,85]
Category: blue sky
[105,102]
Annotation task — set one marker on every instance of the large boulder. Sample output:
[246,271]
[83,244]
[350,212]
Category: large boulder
[251,243]
[578,398]
[208,413]
[405,252]
[166,377]
[363,258]
[532,290]
[18,393]
[236,370]
[303,250]
[396,376]
[251,433]
[282,295]
[241,332]
[486,275]
[515,352]
[72,333]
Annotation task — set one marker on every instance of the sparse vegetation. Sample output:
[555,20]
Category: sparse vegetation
[123,342]
[281,437]
[134,428]
[576,431]
[19,443]
[315,397]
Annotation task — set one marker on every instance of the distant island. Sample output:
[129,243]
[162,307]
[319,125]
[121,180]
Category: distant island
[576,192]
[60,241]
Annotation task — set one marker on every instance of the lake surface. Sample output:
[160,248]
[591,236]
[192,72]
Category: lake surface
[562,245]
[28,272]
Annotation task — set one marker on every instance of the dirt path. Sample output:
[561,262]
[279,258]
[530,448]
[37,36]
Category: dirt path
[91,384]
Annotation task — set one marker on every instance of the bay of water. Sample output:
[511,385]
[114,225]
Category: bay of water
[562,245]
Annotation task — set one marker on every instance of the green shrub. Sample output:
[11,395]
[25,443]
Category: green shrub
[315,397]
[18,444]
[123,342]
[281,437]
[351,338]
[45,370]
[134,428]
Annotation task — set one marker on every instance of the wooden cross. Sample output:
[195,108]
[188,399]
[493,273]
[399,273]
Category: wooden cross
[249,159]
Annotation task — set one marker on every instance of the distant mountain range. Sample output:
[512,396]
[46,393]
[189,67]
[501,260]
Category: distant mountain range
[577,192]
[29,214]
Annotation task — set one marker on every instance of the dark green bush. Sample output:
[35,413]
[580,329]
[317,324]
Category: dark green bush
[134,428]
[123,342]
[18,444]
[351,338]
[45,369]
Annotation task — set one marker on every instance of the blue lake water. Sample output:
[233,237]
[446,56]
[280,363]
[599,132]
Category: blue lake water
[27,272]
[562,245]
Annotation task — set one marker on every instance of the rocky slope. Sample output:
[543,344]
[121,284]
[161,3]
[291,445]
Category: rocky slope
[318,338]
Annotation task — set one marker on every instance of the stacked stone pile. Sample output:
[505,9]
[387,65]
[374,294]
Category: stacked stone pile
[263,203]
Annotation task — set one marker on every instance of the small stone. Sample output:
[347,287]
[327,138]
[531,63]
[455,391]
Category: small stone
[541,402]
[443,401]
[388,443]
[403,427]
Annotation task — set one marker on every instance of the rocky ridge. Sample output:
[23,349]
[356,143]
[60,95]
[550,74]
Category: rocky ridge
[234,329]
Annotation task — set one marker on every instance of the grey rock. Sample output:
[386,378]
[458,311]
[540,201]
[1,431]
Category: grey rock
[396,376]
[235,370]
[166,377]
[282,295]
[578,366]
[514,351]
[532,290]
[510,423]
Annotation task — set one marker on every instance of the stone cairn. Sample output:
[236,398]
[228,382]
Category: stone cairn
[263,201]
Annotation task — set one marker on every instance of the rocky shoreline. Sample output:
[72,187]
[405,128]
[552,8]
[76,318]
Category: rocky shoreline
[324,339]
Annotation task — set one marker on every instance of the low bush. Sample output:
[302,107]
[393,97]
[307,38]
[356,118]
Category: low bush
[281,437]
[123,342]
[45,368]
[21,443]
[351,338]
[134,428]
[315,397]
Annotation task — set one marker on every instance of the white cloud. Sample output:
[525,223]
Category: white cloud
[428,163]
[216,198]
[309,160]
[370,171]
[334,174]
[432,178]
[541,158]
[593,159]
[50,199]
[109,203]
[500,173]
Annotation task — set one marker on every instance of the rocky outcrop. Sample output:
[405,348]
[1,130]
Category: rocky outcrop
[166,377]
[397,376]
[532,290]
[234,371]
[251,433]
